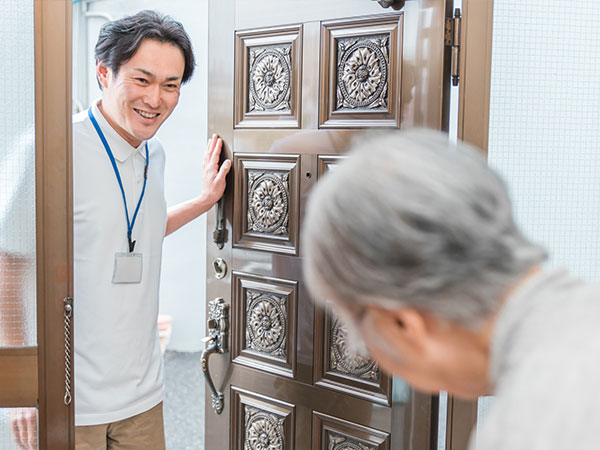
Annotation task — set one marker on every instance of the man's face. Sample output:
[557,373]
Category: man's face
[429,353]
[144,92]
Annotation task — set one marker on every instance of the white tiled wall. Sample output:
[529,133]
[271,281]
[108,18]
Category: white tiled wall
[545,123]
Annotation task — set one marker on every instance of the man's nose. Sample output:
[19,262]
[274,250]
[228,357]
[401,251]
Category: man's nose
[152,97]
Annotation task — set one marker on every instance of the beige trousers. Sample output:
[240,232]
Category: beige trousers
[141,432]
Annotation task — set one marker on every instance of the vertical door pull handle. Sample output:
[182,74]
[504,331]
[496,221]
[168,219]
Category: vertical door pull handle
[217,342]
[217,397]
[219,233]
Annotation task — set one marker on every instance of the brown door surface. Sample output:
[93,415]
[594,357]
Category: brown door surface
[290,83]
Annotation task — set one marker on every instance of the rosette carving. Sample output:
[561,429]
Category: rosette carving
[266,323]
[339,442]
[269,79]
[346,361]
[264,431]
[268,202]
[362,73]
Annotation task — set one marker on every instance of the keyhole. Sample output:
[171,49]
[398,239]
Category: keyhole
[308,175]
[220,268]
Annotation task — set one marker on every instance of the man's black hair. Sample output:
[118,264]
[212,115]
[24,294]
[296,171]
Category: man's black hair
[120,39]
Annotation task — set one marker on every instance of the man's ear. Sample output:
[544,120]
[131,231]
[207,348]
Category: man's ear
[404,326]
[102,73]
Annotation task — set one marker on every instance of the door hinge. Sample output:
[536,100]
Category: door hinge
[452,40]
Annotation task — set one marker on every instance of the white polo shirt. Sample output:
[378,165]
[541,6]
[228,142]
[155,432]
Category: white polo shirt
[118,363]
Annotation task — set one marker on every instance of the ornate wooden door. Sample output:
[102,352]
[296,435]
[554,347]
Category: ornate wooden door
[290,83]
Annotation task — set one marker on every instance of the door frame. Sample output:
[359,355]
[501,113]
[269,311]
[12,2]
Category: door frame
[473,127]
[54,209]
[35,376]
[475,69]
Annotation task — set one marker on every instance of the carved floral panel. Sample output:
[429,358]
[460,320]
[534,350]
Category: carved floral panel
[362,73]
[263,430]
[338,442]
[268,202]
[266,323]
[333,433]
[265,211]
[269,78]
[344,359]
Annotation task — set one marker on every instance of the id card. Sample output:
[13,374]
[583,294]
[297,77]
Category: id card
[128,268]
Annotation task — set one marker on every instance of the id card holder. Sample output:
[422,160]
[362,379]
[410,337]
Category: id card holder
[128,268]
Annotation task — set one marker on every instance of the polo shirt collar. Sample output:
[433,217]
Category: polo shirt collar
[120,148]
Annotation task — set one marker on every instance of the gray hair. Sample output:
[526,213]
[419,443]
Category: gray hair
[411,219]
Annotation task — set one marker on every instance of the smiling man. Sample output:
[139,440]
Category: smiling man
[120,220]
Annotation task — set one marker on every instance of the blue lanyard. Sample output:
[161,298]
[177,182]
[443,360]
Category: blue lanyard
[116,169]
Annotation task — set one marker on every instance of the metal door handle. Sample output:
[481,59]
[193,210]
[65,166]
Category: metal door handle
[217,342]
[219,233]
[217,397]
[395,4]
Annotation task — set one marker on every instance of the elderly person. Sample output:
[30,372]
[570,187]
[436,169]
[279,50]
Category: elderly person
[413,240]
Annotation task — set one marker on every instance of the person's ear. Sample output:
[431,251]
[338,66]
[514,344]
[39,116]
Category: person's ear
[102,73]
[406,327]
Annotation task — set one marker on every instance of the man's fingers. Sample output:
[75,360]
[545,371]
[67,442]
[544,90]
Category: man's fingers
[225,167]
[209,149]
[214,157]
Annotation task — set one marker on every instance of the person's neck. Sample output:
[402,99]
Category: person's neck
[135,143]
[483,335]
[486,331]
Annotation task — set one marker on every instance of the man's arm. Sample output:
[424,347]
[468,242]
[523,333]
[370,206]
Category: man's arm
[213,179]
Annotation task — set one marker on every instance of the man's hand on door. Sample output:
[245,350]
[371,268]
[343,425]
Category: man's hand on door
[213,176]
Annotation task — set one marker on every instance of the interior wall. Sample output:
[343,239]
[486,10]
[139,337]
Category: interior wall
[184,138]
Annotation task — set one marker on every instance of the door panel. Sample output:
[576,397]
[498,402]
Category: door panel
[327,163]
[331,433]
[338,367]
[268,82]
[265,323]
[361,72]
[268,189]
[287,92]
[261,422]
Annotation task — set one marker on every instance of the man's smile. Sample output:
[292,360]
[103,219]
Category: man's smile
[146,114]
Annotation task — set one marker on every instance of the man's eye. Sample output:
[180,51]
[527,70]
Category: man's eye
[172,86]
[142,80]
